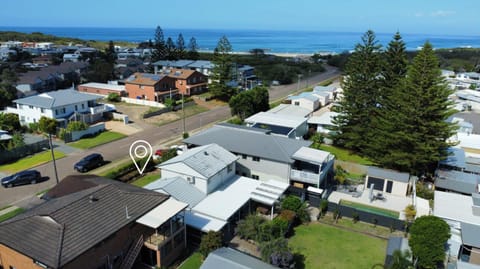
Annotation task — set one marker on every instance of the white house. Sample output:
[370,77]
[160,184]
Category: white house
[269,157]
[306,100]
[321,91]
[205,167]
[291,110]
[279,124]
[389,181]
[60,105]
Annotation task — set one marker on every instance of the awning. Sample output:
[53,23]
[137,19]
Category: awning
[268,192]
[162,213]
[203,222]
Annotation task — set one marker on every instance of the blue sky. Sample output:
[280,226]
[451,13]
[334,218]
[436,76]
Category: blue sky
[408,16]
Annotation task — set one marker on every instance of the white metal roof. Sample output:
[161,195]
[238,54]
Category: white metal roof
[452,206]
[162,213]
[202,222]
[276,119]
[287,109]
[105,86]
[226,200]
[311,155]
[324,119]
[268,192]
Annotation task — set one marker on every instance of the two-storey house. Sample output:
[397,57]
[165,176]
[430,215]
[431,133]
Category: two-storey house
[150,87]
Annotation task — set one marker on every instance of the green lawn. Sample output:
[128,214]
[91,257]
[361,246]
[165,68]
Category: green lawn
[192,262]
[145,180]
[326,247]
[345,155]
[102,138]
[371,209]
[11,214]
[31,161]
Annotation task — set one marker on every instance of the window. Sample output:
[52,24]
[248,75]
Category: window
[56,111]
[256,159]
[63,110]
[244,156]
[76,108]
[42,110]
[255,177]
[229,168]
[297,103]
[31,107]
[83,106]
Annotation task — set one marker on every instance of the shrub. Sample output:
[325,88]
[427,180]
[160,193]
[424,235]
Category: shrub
[277,252]
[323,206]
[410,212]
[76,126]
[294,203]
[248,228]
[355,217]
[185,135]
[113,97]
[169,102]
[209,242]
[33,127]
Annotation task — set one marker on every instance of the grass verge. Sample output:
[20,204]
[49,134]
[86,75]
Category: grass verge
[100,139]
[324,246]
[31,161]
[145,180]
[371,209]
[178,115]
[11,214]
[345,155]
[192,262]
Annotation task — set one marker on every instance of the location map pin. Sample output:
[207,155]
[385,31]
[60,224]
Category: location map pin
[139,150]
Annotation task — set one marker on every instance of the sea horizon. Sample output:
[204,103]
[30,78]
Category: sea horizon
[297,41]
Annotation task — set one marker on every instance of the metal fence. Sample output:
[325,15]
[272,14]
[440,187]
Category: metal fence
[376,219]
[20,152]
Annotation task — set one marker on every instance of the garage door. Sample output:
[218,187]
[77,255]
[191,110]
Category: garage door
[378,183]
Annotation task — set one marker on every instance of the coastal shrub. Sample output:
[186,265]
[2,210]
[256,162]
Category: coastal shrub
[248,228]
[113,97]
[76,126]
[210,242]
[296,205]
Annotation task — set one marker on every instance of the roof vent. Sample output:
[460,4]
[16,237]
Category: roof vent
[206,153]
[92,198]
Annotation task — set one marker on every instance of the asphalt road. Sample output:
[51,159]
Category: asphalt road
[119,149]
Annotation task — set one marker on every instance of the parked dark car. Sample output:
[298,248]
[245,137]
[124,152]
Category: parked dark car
[21,178]
[89,162]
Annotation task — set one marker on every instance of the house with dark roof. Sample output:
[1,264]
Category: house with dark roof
[233,259]
[151,87]
[264,156]
[388,181]
[61,105]
[94,222]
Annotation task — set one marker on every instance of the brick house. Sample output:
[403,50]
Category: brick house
[152,87]
[93,222]
[187,81]
[102,88]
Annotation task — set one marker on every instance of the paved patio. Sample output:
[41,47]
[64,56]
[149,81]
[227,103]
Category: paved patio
[391,202]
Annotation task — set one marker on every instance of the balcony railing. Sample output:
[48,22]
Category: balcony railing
[305,176]
[98,109]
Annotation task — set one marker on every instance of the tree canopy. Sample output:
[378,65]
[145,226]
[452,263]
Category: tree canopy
[8,92]
[47,125]
[428,236]
[193,49]
[159,50]
[249,102]
[209,242]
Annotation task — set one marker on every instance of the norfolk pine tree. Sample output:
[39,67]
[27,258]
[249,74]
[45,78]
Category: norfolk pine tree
[426,108]
[181,47]
[170,50]
[222,70]
[393,74]
[354,126]
[158,52]
[193,49]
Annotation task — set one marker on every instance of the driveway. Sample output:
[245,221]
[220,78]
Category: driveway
[155,135]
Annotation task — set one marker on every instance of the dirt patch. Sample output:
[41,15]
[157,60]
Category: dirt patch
[244,246]
[134,112]
[120,127]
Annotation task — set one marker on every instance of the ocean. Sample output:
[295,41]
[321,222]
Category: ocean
[275,41]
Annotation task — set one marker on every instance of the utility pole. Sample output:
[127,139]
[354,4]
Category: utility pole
[183,110]
[298,83]
[53,156]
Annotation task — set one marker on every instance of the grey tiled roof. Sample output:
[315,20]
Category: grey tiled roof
[373,171]
[179,189]
[233,259]
[470,234]
[57,99]
[249,141]
[58,231]
[207,160]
